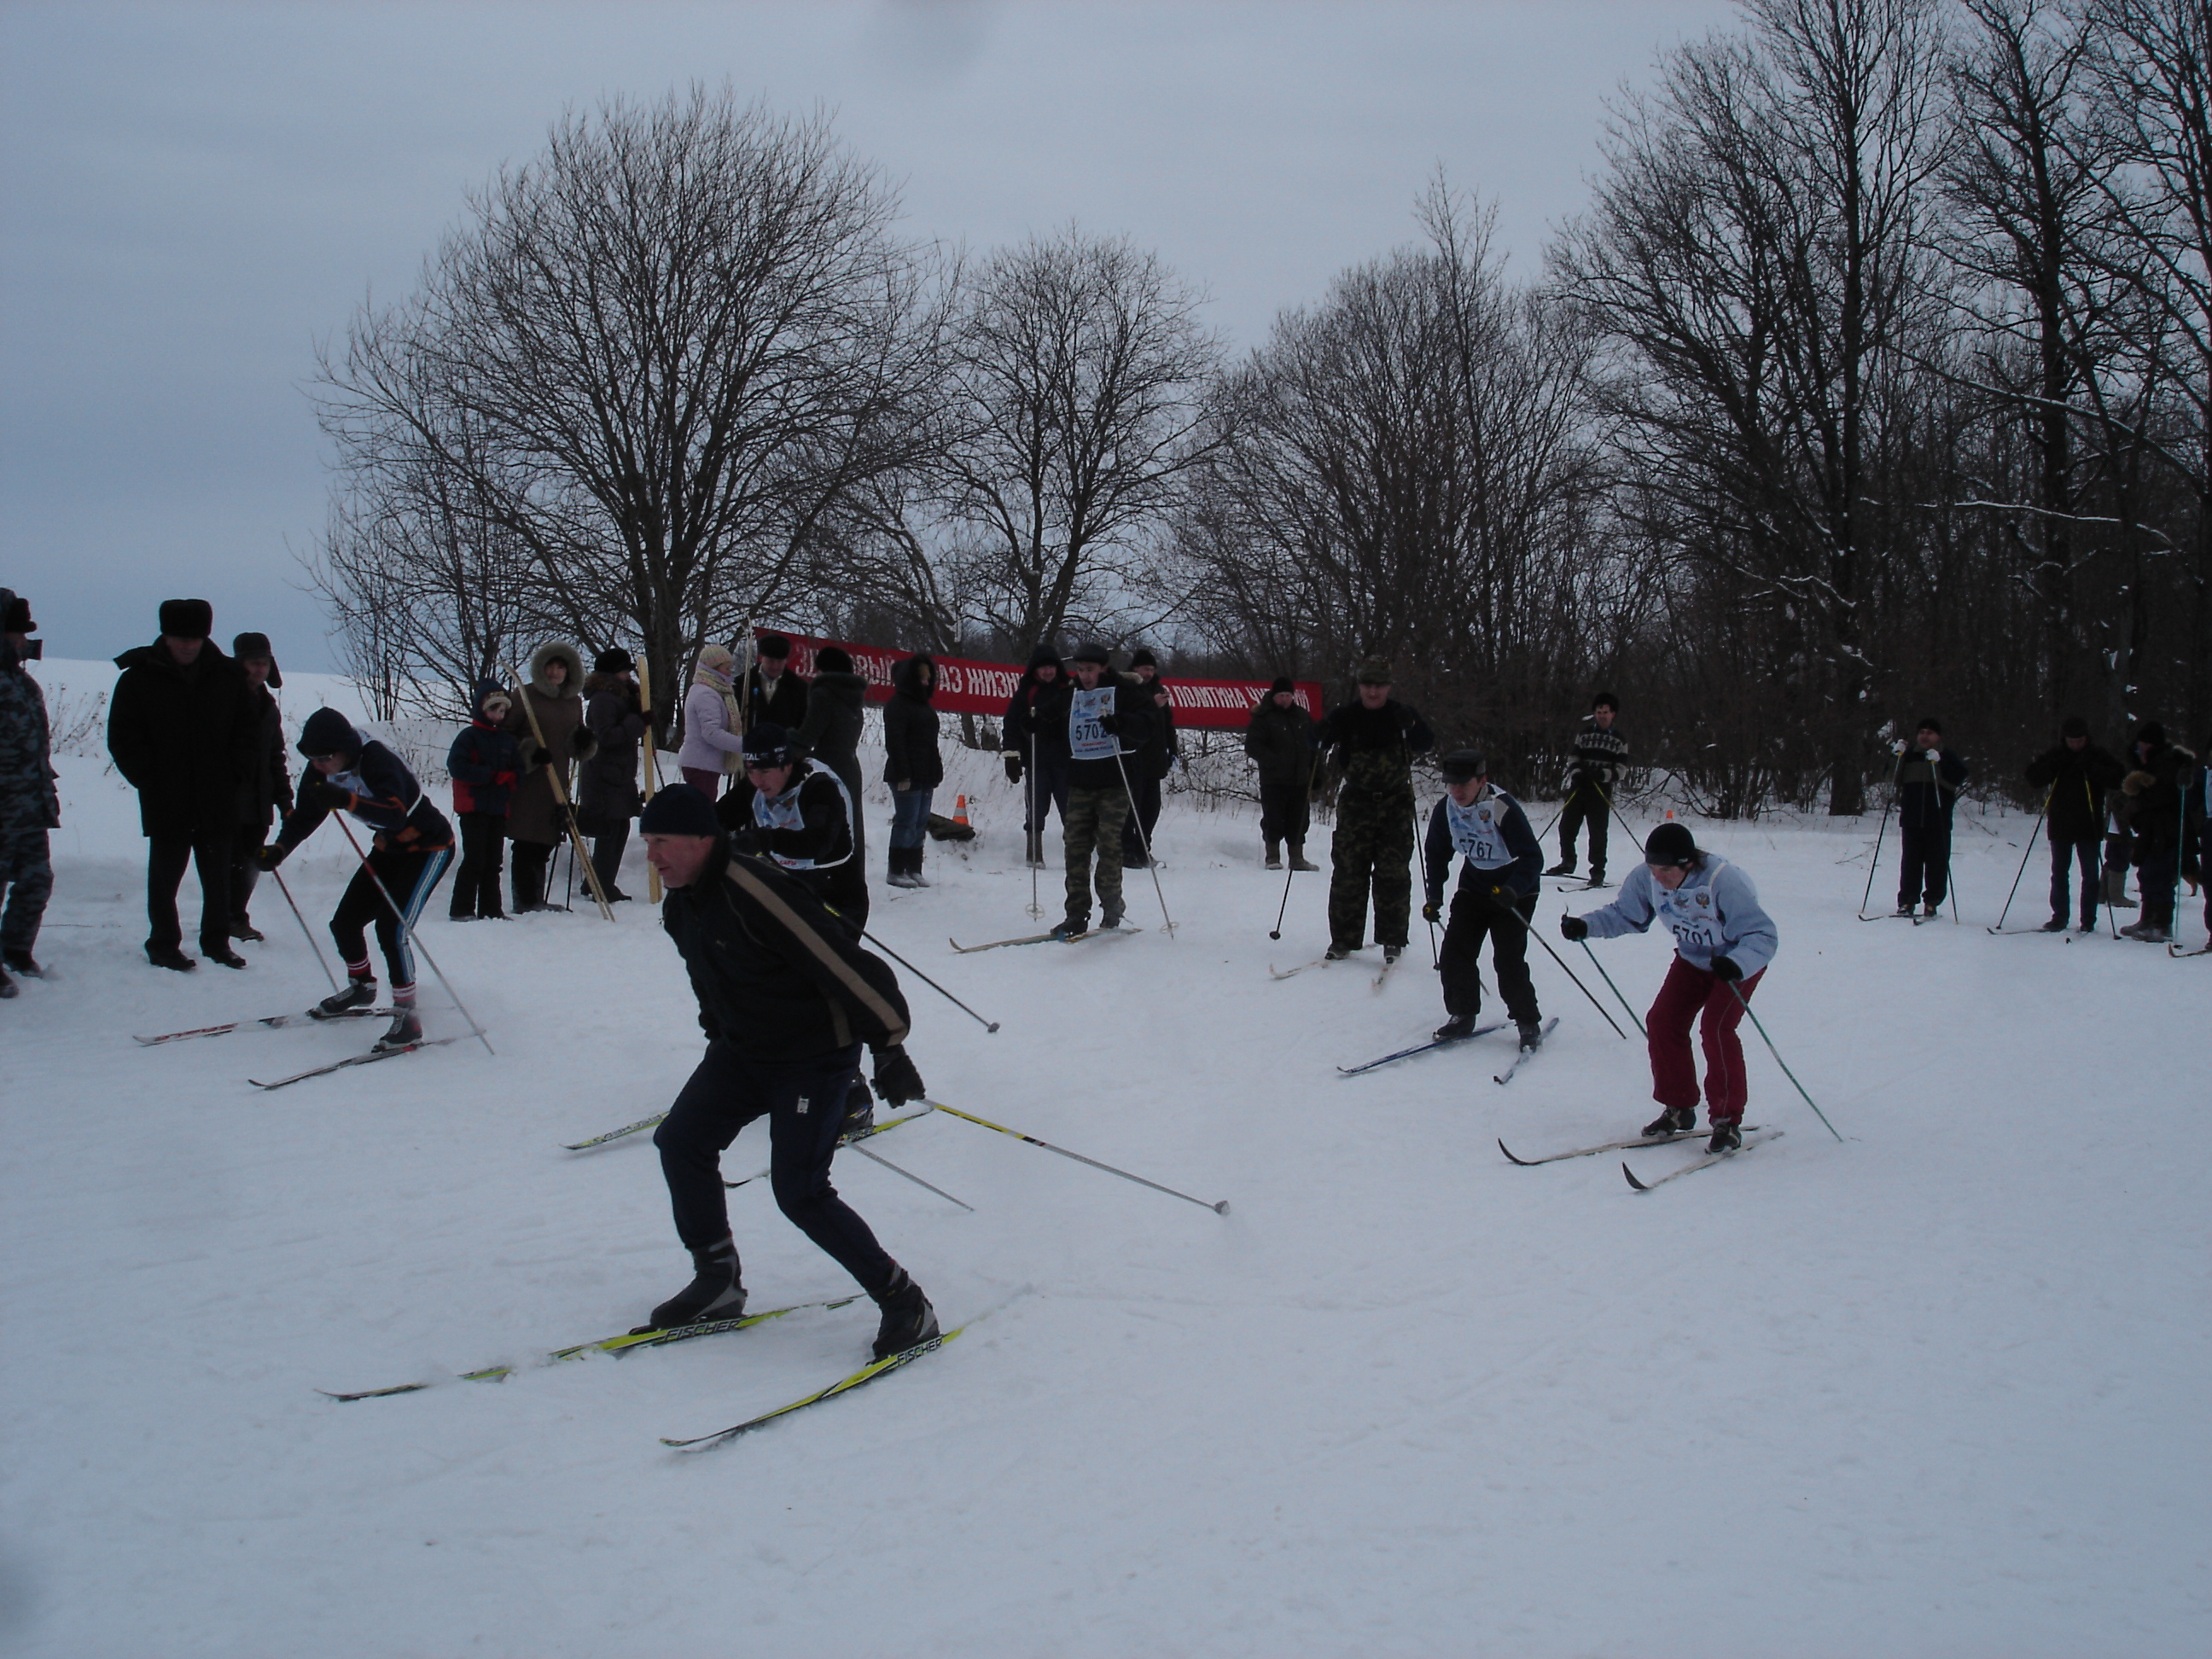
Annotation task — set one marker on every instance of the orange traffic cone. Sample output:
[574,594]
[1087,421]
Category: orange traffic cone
[960,810]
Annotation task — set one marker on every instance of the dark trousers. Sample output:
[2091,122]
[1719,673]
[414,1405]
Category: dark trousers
[1474,917]
[1926,876]
[26,873]
[1286,811]
[1143,815]
[483,843]
[245,872]
[607,856]
[208,853]
[2158,875]
[532,863]
[1586,804]
[804,1101]
[1044,787]
[1372,848]
[2064,855]
[409,877]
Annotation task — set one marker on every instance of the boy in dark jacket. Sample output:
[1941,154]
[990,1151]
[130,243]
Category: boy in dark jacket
[2075,777]
[266,789]
[412,846]
[912,765]
[1034,734]
[1929,779]
[1107,720]
[1280,742]
[1498,881]
[483,765]
[786,999]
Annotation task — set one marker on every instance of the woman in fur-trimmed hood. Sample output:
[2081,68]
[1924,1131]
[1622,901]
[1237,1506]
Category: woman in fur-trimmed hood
[557,740]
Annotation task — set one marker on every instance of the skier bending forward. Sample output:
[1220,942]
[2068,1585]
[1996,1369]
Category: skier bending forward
[1722,945]
[785,998]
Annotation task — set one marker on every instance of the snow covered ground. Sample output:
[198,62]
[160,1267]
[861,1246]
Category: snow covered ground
[1939,1390]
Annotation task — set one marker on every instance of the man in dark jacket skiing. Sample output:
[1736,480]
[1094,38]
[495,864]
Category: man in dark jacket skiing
[2075,776]
[1280,743]
[1593,780]
[796,814]
[30,806]
[1499,884]
[787,999]
[1107,720]
[1373,740]
[266,790]
[412,846]
[181,727]
[1034,735]
[2153,792]
[1929,779]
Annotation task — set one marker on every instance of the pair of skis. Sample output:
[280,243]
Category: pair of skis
[268,1022]
[1506,1076]
[1636,1142]
[368,1059]
[1044,939]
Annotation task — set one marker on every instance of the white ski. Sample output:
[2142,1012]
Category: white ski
[1696,1164]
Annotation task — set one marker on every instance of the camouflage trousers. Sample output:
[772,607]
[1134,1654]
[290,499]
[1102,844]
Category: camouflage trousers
[1373,846]
[1091,823]
[27,873]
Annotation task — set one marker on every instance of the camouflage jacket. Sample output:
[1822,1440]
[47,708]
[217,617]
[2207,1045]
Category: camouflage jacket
[28,800]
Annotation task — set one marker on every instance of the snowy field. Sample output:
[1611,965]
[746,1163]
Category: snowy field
[1937,1390]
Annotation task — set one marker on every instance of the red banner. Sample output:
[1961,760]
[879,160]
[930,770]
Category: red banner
[966,687]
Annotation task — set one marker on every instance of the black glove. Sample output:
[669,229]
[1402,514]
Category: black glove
[1726,970]
[713,1031]
[1506,903]
[1013,766]
[1432,911]
[318,790]
[271,855]
[538,755]
[896,1080]
[1109,724]
[1573,928]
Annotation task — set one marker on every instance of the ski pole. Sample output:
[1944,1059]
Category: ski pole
[1515,912]
[1421,848]
[1144,841]
[321,961]
[987,1024]
[1778,1060]
[408,935]
[1283,910]
[1615,990]
[2027,853]
[1881,829]
[1222,1208]
[876,1157]
[1035,834]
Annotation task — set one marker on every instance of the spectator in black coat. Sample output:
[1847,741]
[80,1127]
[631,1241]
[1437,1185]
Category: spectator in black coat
[182,726]
[607,792]
[836,699]
[2154,788]
[1034,735]
[483,763]
[1280,743]
[266,789]
[1149,765]
[912,765]
[771,691]
[2075,776]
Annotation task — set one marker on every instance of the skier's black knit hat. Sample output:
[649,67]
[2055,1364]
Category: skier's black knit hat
[833,660]
[1464,766]
[614,660]
[1930,723]
[1144,659]
[328,732]
[678,810]
[2075,726]
[1282,682]
[1671,843]
[770,744]
[2152,733]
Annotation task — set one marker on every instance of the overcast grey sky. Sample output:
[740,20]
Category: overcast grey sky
[192,196]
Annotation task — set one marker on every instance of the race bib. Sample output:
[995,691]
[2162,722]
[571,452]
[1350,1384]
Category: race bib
[1087,739]
[1692,917]
[1478,832]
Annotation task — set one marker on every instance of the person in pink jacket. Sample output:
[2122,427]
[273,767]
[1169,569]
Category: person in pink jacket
[713,745]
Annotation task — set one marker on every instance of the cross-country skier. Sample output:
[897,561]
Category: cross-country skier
[2158,776]
[413,844]
[1034,734]
[797,813]
[1601,752]
[1929,779]
[2076,775]
[1280,741]
[786,999]
[29,804]
[1497,898]
[1722,945]
[1375,739]
[1107,719]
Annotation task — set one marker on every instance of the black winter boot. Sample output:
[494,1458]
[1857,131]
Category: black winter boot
[909,1320]
[405,1032]
[716,1291]
[1458,1026]
[1675,1120]
[1728,1135]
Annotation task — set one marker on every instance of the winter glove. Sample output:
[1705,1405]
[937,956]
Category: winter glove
[1504,903]
[1110,724]
[503,780]
[2136,782]
[539,754]
[1572,927]
[318,792]
[1724,968]
[585,743]
[1013,766]
[271,855]
[1432,911]
[896,1080]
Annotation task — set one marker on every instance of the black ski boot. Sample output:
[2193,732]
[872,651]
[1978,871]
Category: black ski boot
[1564,867]
[1675,1120]
[358,993]
[716,1291]
[2056,925]
[20,962]
[7,986]
[1728,1135]
[1110,920]
[1391,953]
[1458,1026]
[1071,927]
[1338,952]
[909,1320]
[859,1110]
[405,1032]
[169,957]
[1532,1033]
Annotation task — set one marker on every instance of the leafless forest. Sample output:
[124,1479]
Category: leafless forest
[1874,380]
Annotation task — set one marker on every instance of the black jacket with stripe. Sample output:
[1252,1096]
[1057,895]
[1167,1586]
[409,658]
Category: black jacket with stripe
[777,977]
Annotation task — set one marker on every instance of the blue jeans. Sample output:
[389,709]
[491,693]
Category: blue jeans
[910,816]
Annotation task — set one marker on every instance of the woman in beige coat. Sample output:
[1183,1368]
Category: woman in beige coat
[535,822]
